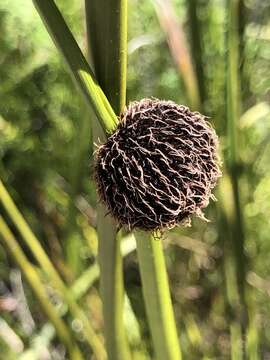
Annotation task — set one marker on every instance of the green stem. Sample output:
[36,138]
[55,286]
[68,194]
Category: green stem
[157,297]
[244,81]
[253,335]
[236,341]
[81,285]
[196,45]
[232,295]
[112,289]
[107,43]
[233,114]
[77,63]
[235,32]
[48,268]
[108,47]
[33,279]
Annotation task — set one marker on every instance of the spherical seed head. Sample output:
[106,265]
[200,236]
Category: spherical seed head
[158,167]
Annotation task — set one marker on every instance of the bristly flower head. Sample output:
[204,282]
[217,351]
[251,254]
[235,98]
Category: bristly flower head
[158,167]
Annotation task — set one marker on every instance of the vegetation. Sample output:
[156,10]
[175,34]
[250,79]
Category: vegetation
[61,257]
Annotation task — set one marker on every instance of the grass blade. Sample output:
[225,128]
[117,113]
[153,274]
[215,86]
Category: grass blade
[33,279]
[76,62]
[48,268]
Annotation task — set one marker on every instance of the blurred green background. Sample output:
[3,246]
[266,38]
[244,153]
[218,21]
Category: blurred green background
[219,270]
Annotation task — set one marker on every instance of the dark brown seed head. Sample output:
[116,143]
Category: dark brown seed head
[159,166]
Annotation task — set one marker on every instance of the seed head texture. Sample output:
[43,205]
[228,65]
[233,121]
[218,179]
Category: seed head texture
[158,167]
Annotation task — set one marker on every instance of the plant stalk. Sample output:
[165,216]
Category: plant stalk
[157,297]
[235,46]
[107,44]
[108,47]
[230,289]
[233,115]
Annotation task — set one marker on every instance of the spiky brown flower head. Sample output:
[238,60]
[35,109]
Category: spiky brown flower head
[158,167]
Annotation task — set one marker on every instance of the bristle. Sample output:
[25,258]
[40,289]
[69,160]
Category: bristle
[159,166]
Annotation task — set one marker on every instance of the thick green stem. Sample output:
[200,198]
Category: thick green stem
[112,289]
[33,279]
[77,63]
[48,268]
[107,34]
[157,297]
[107,42]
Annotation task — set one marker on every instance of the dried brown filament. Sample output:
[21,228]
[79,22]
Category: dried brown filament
[159,166]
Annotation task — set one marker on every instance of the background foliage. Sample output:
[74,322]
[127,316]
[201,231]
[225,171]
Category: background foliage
[45,147]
